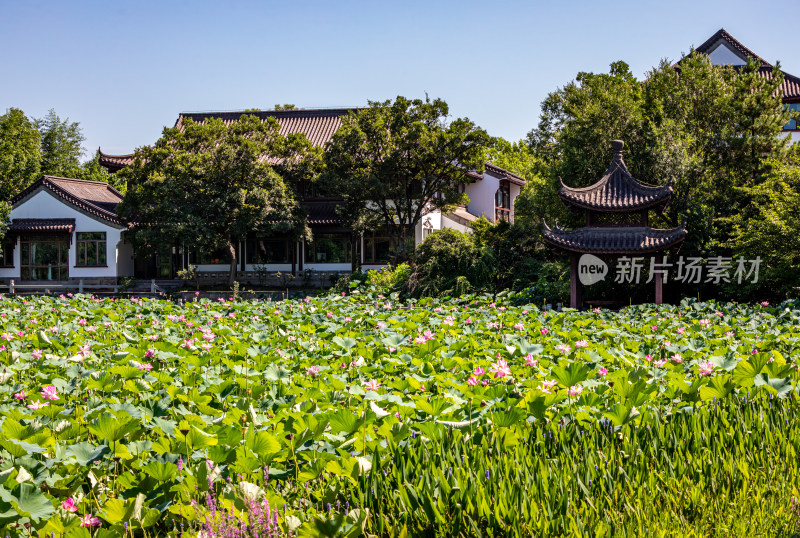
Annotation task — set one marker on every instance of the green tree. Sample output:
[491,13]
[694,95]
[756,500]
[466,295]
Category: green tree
[537,200]
[206,185]
[771,231]
[705,127]
[61,144]
[20,153]
[394,162]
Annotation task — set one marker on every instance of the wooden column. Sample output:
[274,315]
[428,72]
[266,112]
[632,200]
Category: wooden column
[659,292]
[575,300]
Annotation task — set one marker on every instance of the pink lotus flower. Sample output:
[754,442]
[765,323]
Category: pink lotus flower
[82,322]
[89,521]
[648,358]
[677,358]
[530,361]
[37,354]
[548,384]
[519,326]
[20,395]
[419,340]
[472,381]
[755,350]
[764,303]
[69,505]
[428,335]
[543,330]
[49,392]
[146,366]
[83,351]
[37,405]
[371,385]
[602,371]
[330,315]
[729,334]
[705,322]
[312,370]
[564,348]
[575,390]
[654,328]
[681,330]
[478,371]
[659,363]
[7,337]
[149,353]
[706,368]
[500,368]
[380,325]
[449,320]
[581,343]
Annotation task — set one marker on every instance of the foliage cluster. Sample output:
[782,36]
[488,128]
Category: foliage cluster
[139,412]
[712,130]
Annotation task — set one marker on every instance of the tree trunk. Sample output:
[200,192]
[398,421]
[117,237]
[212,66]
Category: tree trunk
[234,263]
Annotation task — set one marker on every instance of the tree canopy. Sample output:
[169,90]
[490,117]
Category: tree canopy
[707,128]
[206,185]
[394,162]
[61,144]
[20,156]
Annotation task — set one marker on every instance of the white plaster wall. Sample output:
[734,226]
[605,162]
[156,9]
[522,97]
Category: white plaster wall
[124,259]
[515,190]
[434,218]
[448,223]
[481,196]
[44,205]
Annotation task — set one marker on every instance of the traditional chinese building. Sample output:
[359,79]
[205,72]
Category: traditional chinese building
[617,211]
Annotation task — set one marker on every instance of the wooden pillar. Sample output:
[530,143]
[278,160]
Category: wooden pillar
[659,292]
[575,300]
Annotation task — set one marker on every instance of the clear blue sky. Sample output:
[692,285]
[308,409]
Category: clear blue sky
[125,70]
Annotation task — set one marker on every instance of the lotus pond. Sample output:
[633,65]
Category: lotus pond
[354,415]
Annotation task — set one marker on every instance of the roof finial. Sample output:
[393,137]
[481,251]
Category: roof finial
[617,146]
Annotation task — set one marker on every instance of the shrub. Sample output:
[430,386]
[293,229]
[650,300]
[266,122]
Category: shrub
[450,262]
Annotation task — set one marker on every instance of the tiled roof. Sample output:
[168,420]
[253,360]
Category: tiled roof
[617,190]
[113,163]
[322,213]
[317,124]
[96,198]
[501,173]
[591,240]
[42,225]
[791,84]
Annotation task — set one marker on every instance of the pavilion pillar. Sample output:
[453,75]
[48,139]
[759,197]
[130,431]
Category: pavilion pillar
[575,300]
[659,286]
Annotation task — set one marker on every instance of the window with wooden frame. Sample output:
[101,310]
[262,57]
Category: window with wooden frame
[90,249]
[8,252]
[329,248]
[502,202]
[377,247]
[265,250]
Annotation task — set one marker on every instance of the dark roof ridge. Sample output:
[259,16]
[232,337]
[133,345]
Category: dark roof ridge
[724,34]
[511,176]
[118,156]
[51,183]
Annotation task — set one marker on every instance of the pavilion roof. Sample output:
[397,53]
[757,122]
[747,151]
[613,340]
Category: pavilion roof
[617,191]
[93,197]
[617,240]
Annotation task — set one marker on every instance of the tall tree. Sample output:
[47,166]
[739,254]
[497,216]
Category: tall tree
[705,127]
[20,153]
[61,144]
[394,162]
[206,185]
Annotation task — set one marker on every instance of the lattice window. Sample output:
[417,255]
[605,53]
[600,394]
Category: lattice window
[615,219]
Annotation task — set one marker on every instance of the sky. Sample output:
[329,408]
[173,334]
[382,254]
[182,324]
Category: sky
[124,71]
